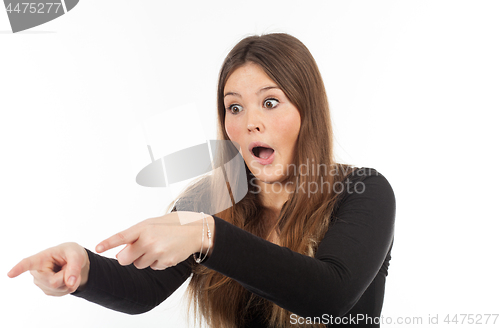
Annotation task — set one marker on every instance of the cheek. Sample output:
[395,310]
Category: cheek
[289,128]
[235,132]
[232,130]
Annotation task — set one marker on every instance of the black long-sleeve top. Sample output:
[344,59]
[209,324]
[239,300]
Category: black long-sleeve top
[344,280]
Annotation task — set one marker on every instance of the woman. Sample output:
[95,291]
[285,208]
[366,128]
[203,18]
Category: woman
[308,245]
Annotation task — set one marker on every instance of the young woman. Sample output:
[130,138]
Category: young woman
[307,246]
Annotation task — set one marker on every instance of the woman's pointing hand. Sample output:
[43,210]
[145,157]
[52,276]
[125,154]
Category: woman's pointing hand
[58,270]
[161,242]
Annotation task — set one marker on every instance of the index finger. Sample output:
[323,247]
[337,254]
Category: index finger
[23,266]
[128,236]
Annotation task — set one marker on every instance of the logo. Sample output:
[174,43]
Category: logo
[24,15]
[184,154]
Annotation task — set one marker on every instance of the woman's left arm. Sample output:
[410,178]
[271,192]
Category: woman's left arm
[346,262]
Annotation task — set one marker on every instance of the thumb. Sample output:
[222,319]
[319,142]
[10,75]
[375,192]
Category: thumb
[74,264]
[71,275]
[70,278]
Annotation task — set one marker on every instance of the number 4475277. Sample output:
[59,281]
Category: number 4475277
[34,8]
[471,319]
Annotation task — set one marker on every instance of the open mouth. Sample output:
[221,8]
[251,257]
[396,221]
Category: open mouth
[262,152]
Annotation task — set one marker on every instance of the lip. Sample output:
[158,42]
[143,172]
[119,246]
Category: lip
[258,159]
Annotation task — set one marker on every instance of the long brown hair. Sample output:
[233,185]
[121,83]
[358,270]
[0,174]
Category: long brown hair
[306,215]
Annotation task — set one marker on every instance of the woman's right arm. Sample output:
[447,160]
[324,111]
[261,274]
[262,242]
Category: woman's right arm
[128,289]
[70,268]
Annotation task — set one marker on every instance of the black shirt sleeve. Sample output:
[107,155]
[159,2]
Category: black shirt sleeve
[128,289]
[348,259]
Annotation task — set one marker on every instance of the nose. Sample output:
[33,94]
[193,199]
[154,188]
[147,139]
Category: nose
[251,127]
[254,121]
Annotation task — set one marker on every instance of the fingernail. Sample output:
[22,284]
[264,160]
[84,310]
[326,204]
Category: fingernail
[71,280]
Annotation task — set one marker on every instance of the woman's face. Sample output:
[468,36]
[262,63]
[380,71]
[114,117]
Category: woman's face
[261,119]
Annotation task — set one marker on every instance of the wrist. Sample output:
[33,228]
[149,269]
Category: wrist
[84,275]
[208,242]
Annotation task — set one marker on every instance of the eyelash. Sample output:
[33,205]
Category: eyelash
[267,99]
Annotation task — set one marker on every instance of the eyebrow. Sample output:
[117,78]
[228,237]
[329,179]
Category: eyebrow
[260,91]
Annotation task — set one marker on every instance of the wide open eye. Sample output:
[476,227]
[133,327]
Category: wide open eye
[271,103]
[232,107]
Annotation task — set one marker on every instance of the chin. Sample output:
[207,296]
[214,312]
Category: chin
[270,179]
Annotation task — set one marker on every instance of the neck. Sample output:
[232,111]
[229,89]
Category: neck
[273,197]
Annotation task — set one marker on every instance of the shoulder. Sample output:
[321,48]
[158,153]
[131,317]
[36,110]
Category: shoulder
[366,189]
[363,176]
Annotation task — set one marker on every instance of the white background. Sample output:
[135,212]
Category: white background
[414,92]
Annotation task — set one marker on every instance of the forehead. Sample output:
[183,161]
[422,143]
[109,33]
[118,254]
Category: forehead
[248,75]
